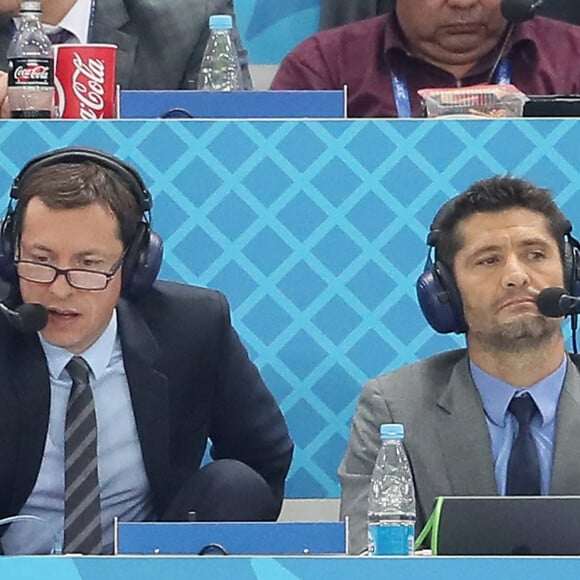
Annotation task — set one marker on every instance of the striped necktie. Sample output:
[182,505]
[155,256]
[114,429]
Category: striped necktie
[82,505]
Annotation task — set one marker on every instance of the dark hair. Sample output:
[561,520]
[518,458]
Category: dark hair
[72,185]
[488,196]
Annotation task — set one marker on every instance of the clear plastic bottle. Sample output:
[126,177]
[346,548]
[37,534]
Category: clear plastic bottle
[391,511]
[220,66]
[30,67]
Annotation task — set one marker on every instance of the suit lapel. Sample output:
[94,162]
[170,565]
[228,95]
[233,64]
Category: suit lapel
[464,436]
[110,18]
[31,383]
[566,465]
[149,394]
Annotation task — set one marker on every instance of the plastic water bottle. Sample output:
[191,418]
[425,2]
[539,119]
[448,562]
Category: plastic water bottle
[220,66]
[30,67]
[391,512]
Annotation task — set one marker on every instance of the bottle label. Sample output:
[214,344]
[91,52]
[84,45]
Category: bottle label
[391,539]
[30,114]
[31,72]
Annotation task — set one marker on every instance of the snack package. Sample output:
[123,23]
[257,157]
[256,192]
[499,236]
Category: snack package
[476,101]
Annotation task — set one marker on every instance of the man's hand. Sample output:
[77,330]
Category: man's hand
[4,110]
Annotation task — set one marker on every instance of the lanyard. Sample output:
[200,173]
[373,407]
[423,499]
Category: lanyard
[503,72]
[503,76]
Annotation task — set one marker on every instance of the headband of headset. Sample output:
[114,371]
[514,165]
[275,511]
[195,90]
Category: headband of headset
[437,292]
[144,256]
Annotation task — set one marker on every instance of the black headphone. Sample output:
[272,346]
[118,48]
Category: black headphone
[437,292]
[143,258]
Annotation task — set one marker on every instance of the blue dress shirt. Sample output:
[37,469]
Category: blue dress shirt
[496,396]
[124,486]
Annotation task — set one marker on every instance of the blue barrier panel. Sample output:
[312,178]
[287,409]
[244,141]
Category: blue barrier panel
[288,568]
[233,105]
[231,538]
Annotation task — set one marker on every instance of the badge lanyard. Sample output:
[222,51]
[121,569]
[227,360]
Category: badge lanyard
[503,76]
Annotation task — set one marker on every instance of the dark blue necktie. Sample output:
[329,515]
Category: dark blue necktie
[60,36]
[523,475]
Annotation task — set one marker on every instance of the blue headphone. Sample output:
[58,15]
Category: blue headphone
[145,253]
[437,292]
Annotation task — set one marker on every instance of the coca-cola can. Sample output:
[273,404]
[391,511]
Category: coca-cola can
[84,78]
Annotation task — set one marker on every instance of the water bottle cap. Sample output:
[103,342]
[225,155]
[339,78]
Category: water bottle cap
[30,6]
[220,22]
[392,431]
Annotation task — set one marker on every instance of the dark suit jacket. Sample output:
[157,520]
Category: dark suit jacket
[160,42]
[446,437]
[189,378]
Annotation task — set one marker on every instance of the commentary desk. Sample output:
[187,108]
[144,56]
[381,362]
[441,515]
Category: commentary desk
[290,568]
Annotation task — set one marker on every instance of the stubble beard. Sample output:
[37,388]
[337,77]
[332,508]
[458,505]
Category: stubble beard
[526,334]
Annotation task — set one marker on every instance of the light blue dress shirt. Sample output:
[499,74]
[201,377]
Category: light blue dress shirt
[496,396]
[124,486]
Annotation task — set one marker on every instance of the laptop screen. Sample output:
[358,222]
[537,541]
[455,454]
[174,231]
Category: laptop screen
[552,106]
[506,526]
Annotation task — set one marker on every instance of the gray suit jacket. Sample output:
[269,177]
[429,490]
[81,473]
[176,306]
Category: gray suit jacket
[446,437]
[160,42]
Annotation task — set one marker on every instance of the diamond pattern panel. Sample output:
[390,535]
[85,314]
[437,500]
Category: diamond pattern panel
[315,231]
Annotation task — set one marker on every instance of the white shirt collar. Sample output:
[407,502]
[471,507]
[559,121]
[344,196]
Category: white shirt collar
[97,355]
[77,21]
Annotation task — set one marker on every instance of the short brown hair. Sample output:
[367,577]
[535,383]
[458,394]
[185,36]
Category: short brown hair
[70,185]
[491,195]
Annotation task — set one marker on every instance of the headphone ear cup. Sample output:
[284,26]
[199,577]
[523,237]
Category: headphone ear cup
[7,267]
[439,299]
[143,262]
[571,265]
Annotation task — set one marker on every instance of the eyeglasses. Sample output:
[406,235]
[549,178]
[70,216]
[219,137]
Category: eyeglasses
[76,277]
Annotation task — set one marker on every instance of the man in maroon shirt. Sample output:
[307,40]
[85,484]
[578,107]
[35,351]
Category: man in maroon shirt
[433,43]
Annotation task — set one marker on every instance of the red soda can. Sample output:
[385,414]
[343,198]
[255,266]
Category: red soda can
[85,81]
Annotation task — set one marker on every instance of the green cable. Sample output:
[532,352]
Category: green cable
[436,521]
[424,533]
[432,526]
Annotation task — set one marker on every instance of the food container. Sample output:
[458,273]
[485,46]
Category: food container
[477,101]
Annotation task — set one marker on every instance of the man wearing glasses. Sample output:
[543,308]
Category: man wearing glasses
[143,372]
[79,278]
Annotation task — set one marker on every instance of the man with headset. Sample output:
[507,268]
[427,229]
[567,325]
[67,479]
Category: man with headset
[137,372]
[496,247]
[432,43]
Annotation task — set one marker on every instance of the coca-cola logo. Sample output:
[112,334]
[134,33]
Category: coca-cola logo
[88,85]
[37,73]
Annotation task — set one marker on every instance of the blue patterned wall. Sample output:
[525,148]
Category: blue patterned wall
[271,28]
[315,231]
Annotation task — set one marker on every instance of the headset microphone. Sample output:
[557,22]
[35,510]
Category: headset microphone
[520,10]
[28,317]
[556,302]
